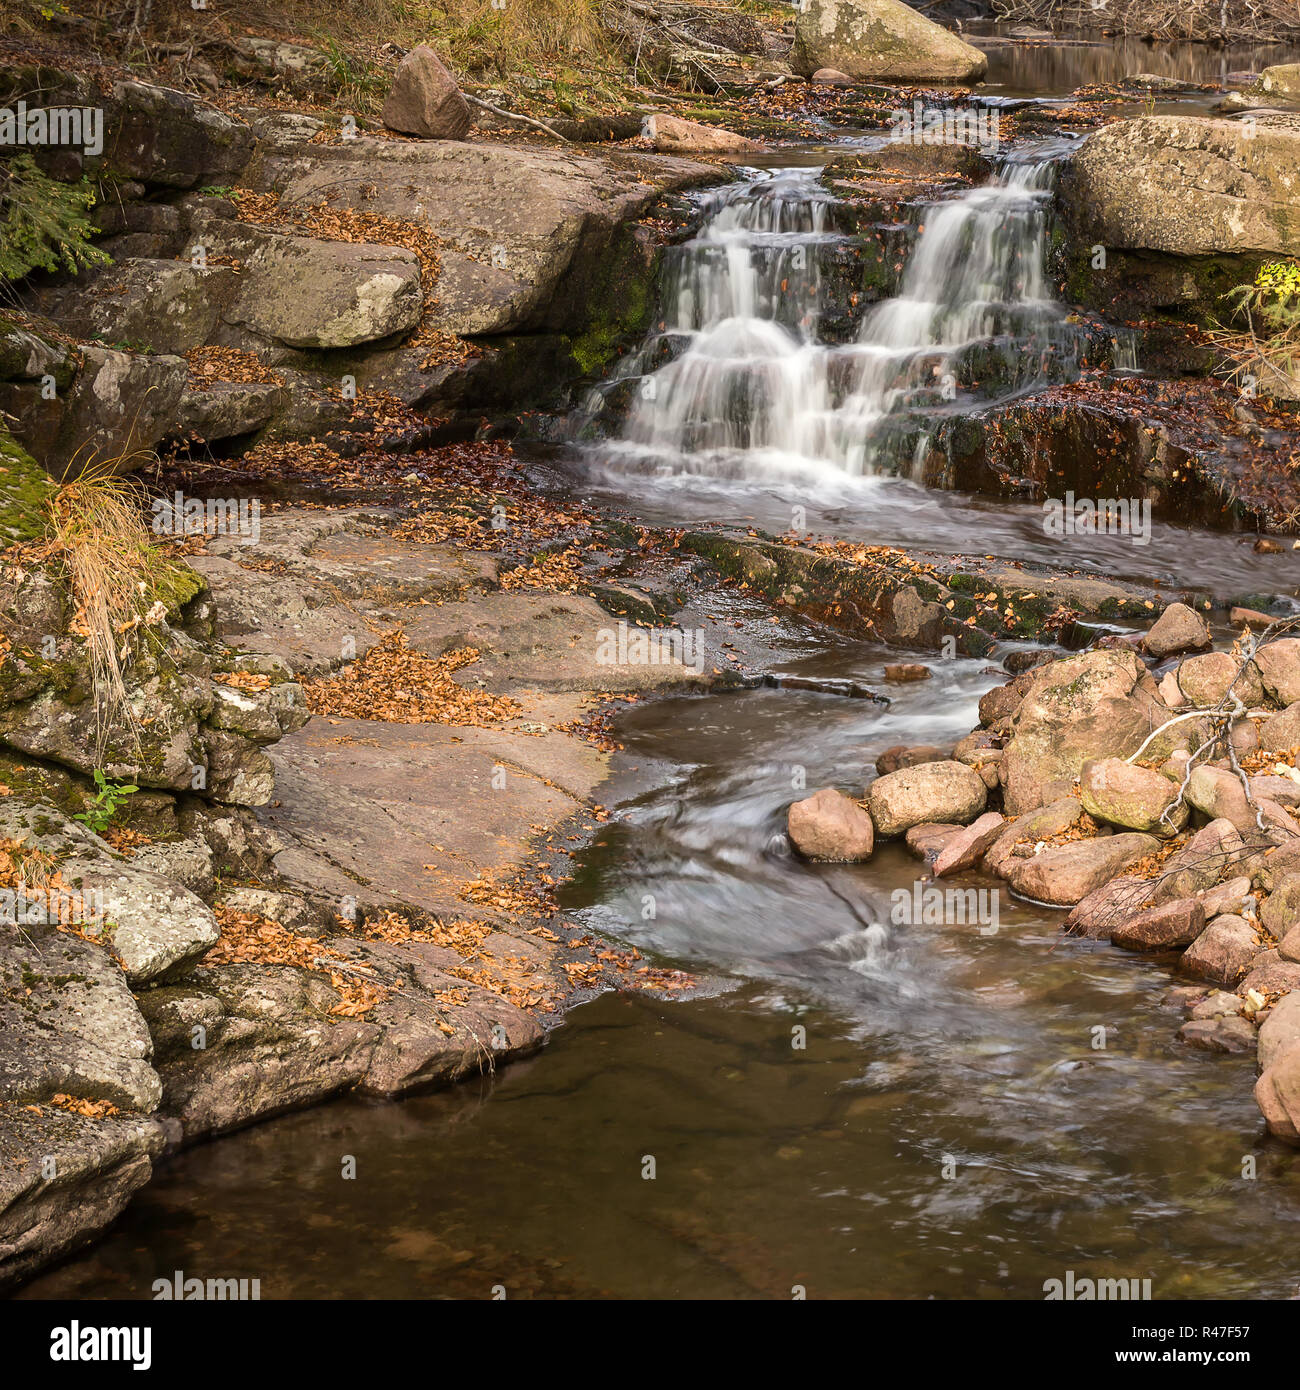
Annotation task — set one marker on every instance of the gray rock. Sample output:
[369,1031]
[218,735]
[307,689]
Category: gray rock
[68,1022]
[1190,185]
[945,791]
[154,926]
[880,41]
[98,1165]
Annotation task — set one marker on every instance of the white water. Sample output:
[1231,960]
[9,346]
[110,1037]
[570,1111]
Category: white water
[750,389]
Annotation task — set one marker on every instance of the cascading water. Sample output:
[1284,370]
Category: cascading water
[740,382]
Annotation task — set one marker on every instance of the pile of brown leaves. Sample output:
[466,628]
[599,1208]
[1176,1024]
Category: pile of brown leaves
[210,365]
[250,939]
[91,1109]
[557,572]
[400,686]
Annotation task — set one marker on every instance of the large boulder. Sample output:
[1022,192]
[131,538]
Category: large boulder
[1278,1094]
[1278,664]
[1098,704]
[97,1165]
[831,826]
[425,99]
[168,137]
[1280,1031]
[948,792]
[1222,953]
[308,293]
[533,240]
[1280,83]
[1190,185]
[880,41]
[68,1022]
[1137,798]
[1281,732]
[1162,928]
[1205,680]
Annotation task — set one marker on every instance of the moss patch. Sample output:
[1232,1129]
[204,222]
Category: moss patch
[24,487]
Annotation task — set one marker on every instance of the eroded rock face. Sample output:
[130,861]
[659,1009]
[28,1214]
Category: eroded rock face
[831,826]
[117,406]
[947,791]
[1190,185]
[68,1022]
[880,40]
[425,100]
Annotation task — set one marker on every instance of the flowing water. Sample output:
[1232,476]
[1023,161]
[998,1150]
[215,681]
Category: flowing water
[863,1106]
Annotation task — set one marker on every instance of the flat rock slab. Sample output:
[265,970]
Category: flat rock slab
[410,810]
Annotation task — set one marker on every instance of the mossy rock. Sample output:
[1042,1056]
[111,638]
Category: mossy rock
[24,487]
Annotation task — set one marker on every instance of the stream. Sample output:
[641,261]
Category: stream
[857,1108]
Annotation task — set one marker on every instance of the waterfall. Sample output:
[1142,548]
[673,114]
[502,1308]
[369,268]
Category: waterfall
[739,382]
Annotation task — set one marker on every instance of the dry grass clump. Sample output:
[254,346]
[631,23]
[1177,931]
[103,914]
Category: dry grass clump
[96,527]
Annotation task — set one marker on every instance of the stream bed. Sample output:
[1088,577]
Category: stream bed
[861,1107]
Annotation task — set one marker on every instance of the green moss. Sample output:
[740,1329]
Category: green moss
[24,487]
[624,303]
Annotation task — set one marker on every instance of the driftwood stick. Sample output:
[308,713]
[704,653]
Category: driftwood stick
[515,116]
